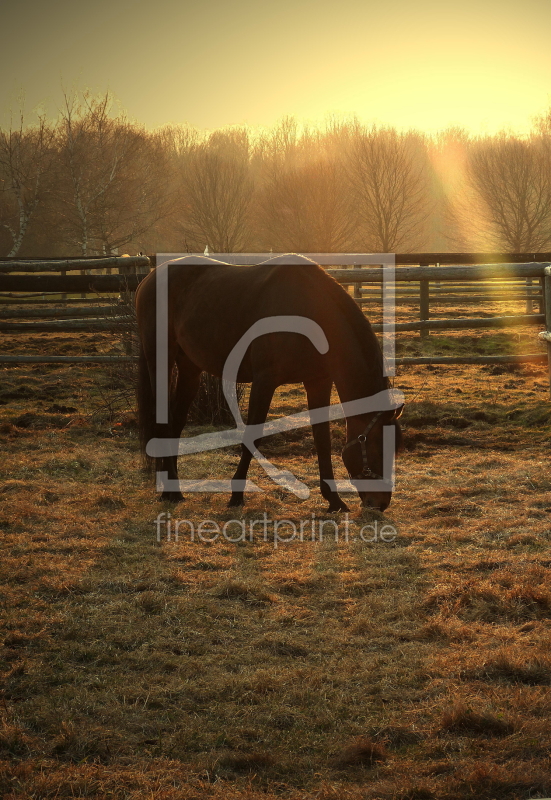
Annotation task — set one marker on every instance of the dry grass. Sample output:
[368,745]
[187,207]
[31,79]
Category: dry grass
[462,719]
[328,669]
[361,752]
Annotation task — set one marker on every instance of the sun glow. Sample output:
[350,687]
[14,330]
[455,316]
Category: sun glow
[425,66]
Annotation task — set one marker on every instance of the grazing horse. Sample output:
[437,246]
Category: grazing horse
[211,306]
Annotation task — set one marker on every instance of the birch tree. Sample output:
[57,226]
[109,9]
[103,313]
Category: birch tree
[25,161]
[110,179]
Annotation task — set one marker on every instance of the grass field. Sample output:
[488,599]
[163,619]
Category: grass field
[407,669]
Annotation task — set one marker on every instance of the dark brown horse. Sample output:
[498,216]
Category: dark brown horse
[193,314]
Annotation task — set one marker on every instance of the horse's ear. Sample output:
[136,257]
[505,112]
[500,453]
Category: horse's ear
[398,412]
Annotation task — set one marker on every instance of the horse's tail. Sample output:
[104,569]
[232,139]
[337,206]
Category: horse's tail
[146,409]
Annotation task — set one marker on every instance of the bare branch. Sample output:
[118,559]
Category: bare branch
[389,183]
[25,159]
[512,177]
[216,192]
[109,186]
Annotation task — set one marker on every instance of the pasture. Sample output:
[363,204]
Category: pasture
[408,669]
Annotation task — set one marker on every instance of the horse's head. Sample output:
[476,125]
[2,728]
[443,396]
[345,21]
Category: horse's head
[363,454]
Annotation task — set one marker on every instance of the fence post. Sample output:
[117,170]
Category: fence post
[357,286]
[82,294]
[546,334]
[424,304]
[529,306]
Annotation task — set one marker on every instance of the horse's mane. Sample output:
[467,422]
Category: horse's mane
[366,338]
[368,342]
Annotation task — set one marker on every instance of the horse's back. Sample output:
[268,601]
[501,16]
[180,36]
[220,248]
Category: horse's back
[211,307]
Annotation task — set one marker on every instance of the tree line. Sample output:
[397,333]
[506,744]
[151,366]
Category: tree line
[95,183]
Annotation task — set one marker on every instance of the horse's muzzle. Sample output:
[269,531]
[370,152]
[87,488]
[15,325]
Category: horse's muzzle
[377,500]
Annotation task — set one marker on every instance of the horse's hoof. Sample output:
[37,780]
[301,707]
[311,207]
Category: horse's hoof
[340,506]
[236,500]
[171,497]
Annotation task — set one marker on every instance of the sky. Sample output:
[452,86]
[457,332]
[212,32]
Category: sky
[479,64]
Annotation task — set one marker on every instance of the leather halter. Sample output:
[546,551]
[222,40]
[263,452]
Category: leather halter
[366,472]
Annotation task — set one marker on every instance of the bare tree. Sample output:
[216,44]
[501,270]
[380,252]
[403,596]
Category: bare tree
[512,177]
[306,208]
[542,124]
[109,186]
[25,159]
[105,183]
[216,192]
[176,143]
[455,220]
[139,199]
[389,185]
[278,147]
[303,201]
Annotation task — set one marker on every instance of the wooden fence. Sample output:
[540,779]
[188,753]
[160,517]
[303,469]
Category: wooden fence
[69,308]
[421,279]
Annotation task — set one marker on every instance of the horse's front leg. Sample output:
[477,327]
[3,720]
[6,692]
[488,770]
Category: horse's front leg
[319,396]
[167,472]
[262,391]
[181,397]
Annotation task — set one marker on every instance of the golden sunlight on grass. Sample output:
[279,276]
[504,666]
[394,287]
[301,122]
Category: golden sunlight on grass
[417,668]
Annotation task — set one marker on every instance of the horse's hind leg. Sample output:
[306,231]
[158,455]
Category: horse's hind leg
[262,391]
[181,397]
[319,396]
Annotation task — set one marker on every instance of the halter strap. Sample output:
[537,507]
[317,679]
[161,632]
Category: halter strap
[366,472]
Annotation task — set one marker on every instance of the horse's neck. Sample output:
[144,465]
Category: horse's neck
[356,379]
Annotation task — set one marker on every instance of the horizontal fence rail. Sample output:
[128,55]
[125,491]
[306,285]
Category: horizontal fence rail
[61,284]
[23,359]
[475,273]
[114,283]
[43,298]
[361,259]
[529,358]
[419,360]
[78,314]
[70,265]
[520,321]
[65,326]
[59,311]
[422,278]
